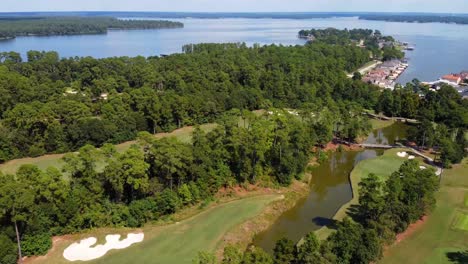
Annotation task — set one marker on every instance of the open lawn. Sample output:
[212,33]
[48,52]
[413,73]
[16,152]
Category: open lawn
[176,243]
[382,166]
[55,160]
[442,238]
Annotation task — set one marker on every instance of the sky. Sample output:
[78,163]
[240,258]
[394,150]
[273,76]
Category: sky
[431,6]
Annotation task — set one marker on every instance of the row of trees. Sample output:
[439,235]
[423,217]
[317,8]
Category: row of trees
[385,209]
[53,105]
[50,26]
[152,179]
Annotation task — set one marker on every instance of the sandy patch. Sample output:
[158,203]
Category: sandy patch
[411,157]
[402,154]
[410,230]
[422,167]
[85,249]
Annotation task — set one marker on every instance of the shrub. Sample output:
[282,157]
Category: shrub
[36,245]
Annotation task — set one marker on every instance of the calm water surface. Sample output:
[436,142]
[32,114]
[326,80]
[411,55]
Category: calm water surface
[440,48]
[330,189]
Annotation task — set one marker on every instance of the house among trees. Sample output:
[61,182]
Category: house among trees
[452,79]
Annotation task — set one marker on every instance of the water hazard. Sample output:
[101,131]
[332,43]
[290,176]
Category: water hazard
[330,189]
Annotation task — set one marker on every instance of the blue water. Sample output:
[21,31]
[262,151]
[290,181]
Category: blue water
[440,48]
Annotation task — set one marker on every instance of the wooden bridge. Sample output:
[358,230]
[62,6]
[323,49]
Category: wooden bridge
[401,119]
[376,146]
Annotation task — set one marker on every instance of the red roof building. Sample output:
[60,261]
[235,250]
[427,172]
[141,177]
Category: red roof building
[452,78]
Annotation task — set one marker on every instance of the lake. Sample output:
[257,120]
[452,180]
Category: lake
[440,48]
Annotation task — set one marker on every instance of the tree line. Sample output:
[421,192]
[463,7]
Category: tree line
[150,180]
[385,209]
[51,26]
[53,105]
[452,19]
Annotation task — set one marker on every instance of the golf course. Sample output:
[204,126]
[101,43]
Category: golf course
[175,243]
[443,238]
[55,160]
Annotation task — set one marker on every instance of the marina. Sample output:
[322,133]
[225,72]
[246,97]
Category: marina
[386,73]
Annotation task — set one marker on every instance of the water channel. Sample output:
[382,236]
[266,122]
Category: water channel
[330,189]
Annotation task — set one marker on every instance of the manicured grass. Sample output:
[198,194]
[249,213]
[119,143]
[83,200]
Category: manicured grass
[461,221]
[176,243]
[382,166]
[43,162]
[437,239]
[466,199]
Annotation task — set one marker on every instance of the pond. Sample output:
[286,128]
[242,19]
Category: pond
[330,189]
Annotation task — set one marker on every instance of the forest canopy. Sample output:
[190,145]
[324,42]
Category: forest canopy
[49,26]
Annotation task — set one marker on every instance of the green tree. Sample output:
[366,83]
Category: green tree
[371,199]
[257,256]
[232,255]
[205,258]
[284,251]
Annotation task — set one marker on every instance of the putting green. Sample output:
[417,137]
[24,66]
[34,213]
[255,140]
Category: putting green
[461,221]
[382,166]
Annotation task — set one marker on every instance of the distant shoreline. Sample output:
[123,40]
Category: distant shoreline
[405,17]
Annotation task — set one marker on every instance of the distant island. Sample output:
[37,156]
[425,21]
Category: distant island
[14,26]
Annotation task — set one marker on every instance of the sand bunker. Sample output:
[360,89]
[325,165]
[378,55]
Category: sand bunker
[422,167]
[402,154]
[411,157]
[85,251]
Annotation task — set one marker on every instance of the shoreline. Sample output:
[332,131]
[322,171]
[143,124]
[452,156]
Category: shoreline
[243,235]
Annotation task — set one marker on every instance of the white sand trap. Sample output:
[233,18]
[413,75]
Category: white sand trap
[422,167]
[402,154]
[85,251]
[411,157]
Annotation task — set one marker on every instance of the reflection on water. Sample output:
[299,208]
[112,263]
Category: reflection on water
[389,135]
[330,189]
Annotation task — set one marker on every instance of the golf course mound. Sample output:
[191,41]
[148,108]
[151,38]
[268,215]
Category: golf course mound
[86,250]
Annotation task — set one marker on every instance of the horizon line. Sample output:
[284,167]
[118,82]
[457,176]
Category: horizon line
[236,12]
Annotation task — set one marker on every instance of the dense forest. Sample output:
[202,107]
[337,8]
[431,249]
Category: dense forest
[417,18]
[379,46]
[49,26]
[53,105]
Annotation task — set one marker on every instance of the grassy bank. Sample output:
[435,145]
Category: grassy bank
[55,160]
[243,235]
[382,166]
[443,238]
[175,243]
